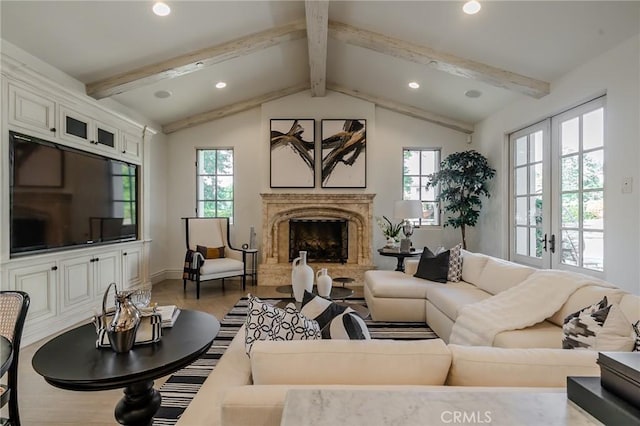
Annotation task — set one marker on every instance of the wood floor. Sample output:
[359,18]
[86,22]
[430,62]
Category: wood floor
[43,404]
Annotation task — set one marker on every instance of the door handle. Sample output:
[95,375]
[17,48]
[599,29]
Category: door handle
[552,243]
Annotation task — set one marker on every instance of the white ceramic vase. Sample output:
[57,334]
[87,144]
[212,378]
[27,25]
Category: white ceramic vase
[323,282]
[301,276]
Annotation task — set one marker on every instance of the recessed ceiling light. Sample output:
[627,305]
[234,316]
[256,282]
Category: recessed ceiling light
[414,85]
[162,94]
[473,93]
[471,7]
[221,85]
[161,9]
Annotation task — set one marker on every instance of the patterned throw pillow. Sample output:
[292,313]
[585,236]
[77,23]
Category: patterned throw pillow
[320,309]
[336,321]
[432,267]
[601,327]
[346,326]
[636,329]
[294,326]
[260,320]
[455,264]
[211,252]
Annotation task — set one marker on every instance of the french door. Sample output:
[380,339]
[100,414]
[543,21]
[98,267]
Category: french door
[557,191]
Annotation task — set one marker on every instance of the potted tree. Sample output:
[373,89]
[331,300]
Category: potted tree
[463,180]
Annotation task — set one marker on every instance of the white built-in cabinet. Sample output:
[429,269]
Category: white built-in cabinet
[66,287]
[77,126]
[31,111]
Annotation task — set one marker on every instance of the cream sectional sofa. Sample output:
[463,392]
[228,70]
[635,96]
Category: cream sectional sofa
[399,296]
[243,391]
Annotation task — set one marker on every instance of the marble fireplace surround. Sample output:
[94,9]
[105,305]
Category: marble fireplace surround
[279,208]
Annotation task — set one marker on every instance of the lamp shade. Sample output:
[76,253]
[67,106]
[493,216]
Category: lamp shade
[407,209]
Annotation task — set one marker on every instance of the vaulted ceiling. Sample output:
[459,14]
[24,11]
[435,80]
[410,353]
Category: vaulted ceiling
[267,49]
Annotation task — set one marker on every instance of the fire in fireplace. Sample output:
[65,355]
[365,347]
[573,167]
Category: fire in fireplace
[324,240]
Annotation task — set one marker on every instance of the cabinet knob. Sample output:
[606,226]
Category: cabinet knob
[54,268]
[53,129]
[97,259]
[124,254]
[124,152]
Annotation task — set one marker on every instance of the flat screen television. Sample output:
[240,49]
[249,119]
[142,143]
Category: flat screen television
[62,197]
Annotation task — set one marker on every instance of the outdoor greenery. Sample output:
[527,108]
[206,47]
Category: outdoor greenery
[215,183]
[463,180]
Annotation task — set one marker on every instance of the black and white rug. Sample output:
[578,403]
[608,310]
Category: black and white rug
[181,387]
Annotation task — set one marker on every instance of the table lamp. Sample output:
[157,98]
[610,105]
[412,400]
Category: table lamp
[405,210]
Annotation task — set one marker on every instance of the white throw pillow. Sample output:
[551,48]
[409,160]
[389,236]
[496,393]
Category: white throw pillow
[347,326]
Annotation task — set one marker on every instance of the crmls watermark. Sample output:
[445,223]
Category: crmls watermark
[466,417]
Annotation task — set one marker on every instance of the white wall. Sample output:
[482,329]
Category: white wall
[616,72]
[158,176]
[248,134]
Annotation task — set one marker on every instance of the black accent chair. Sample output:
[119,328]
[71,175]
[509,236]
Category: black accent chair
[13,312]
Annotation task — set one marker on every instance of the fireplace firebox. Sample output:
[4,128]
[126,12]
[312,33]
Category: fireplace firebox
[324,240]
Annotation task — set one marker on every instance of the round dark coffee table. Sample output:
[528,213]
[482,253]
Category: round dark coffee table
[400,255]
[71,361]
[337,293]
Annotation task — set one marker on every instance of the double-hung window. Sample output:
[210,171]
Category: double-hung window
[214,183]
[418,163]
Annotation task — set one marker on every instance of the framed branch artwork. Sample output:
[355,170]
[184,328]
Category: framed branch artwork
[292,146]
[344,155]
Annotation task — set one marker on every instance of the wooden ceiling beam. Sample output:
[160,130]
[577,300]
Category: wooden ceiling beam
[228,110]
[414,112]
[194,61]
[438,60]
[317,17]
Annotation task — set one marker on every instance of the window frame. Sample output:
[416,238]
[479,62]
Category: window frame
[422,177]
[215,200]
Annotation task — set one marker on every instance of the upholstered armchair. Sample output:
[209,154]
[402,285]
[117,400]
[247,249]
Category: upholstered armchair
[210,255]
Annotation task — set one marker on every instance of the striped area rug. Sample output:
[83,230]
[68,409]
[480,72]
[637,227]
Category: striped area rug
[181,387]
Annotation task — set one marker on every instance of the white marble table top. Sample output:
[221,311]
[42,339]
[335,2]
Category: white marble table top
[327,407]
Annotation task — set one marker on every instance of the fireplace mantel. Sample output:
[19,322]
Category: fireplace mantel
[279,208]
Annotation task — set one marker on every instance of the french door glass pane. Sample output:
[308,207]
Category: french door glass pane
[535,180]
[593,251]
[592,211]
[570,136]
[570,173]
[535,211]
[521,151]
[521,181]
[533,242]
[521,240]
[521,211]
[593,171]
[593,129]
[570,246]
[570,210]
[536,147]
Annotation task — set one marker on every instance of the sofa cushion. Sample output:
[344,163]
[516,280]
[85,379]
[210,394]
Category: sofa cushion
[365,362]
[538,367]
[630,305]
[472,265]
[433,267]
[541,335]
[217,266]
[452,297]
[396,285]
[585,296]
[499,275]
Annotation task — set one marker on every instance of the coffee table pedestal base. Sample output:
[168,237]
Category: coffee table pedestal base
[138,405]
